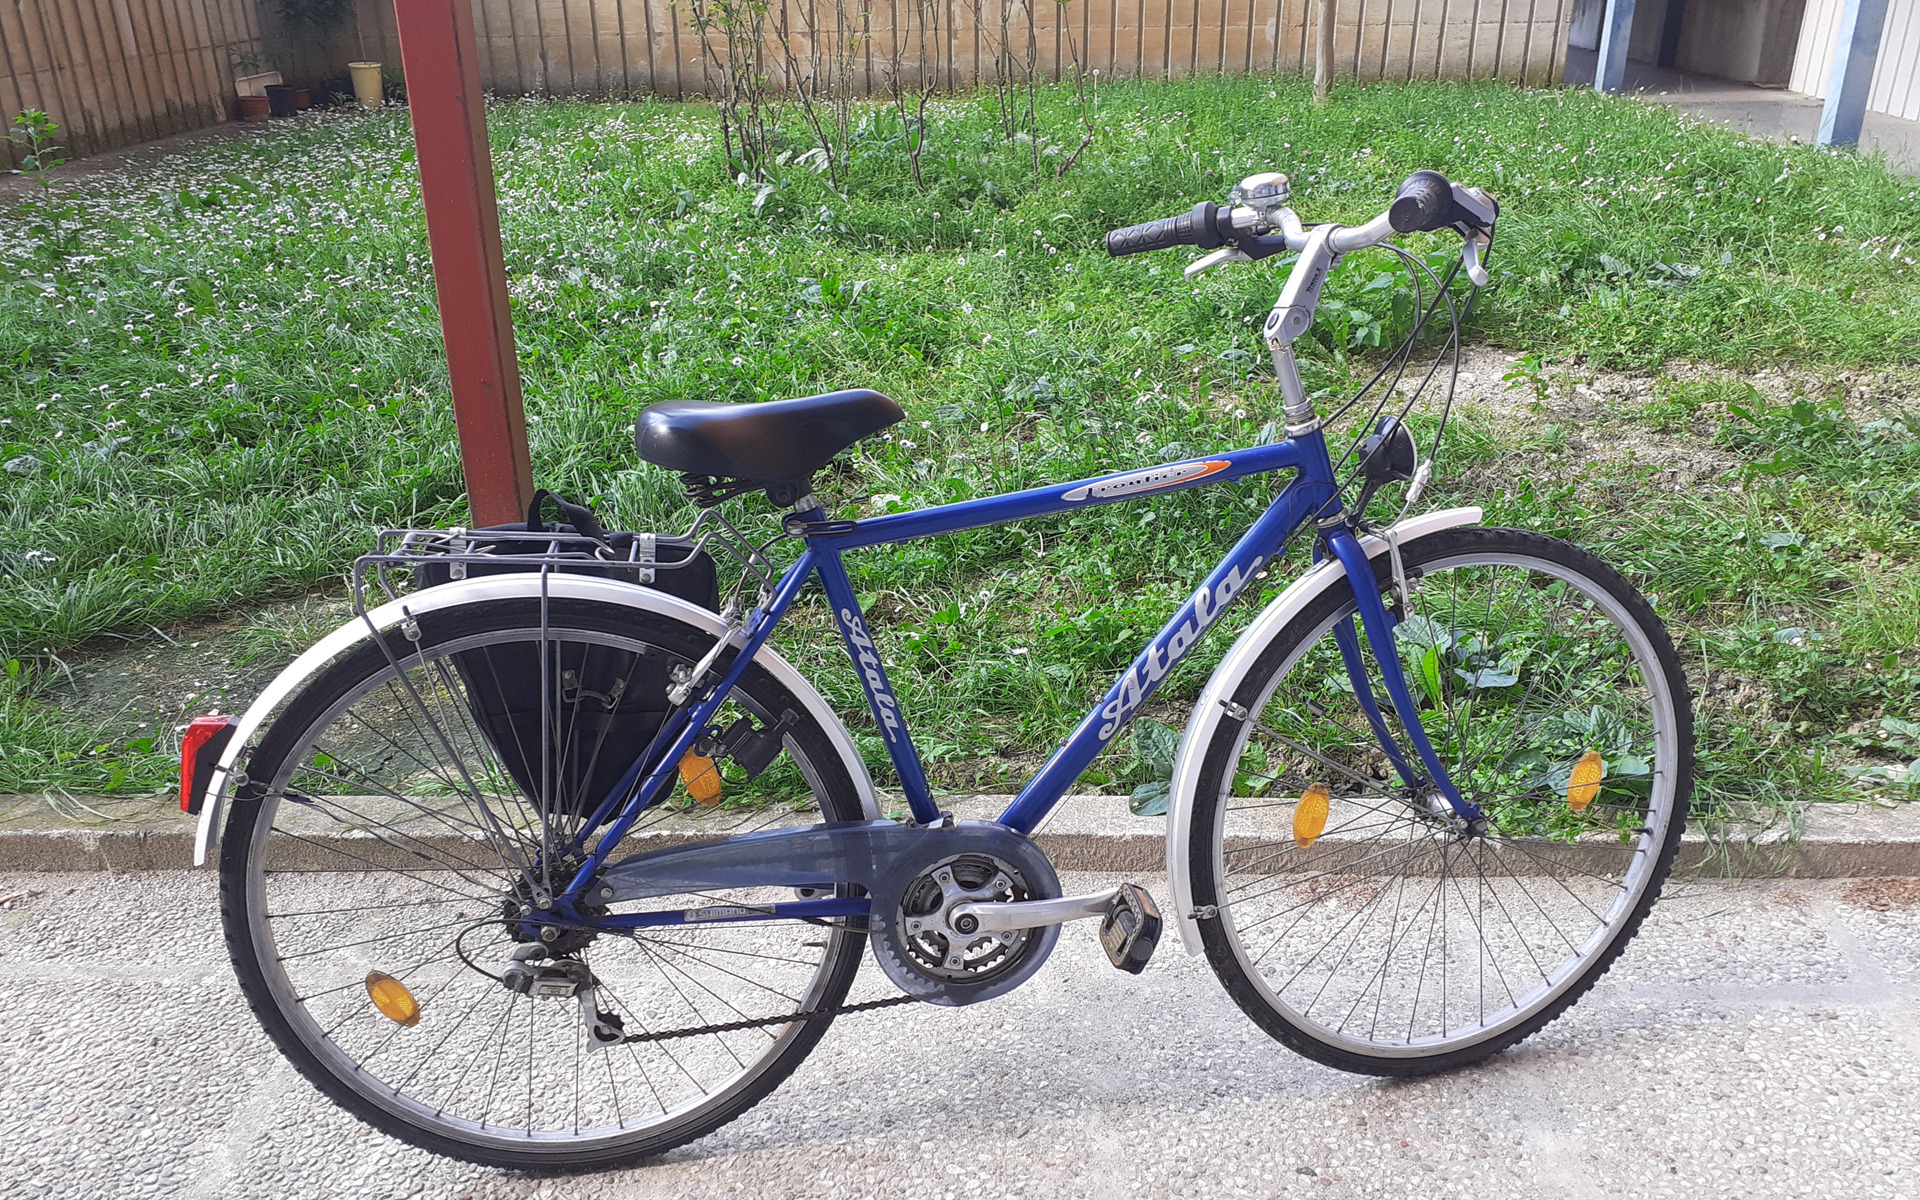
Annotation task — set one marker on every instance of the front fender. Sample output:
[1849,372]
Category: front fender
[507,587]
[1207,711]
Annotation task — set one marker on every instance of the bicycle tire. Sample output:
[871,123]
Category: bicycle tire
[1323,888]
[268,824]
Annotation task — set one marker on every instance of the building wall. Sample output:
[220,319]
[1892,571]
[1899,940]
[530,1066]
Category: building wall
[1749,40]
[1752,41]
[1896,73]
[1585,31]
[1643,43]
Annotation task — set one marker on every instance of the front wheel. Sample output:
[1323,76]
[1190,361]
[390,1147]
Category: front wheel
[1356,918]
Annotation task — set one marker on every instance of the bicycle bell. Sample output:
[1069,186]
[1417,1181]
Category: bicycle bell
[1266,193]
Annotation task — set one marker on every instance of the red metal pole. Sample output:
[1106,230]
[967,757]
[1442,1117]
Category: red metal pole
[440,56]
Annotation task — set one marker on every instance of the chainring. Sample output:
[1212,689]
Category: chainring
[917,946]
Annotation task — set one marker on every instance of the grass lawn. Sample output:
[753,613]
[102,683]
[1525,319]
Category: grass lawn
[221,374]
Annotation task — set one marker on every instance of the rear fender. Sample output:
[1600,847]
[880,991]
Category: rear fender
[504,587]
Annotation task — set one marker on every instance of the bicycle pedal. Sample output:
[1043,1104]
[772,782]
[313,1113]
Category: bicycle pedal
[1130,928]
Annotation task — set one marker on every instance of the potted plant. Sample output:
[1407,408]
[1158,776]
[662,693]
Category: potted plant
[250,84]
[307,24]
[334,89]
[280,99]
[367,86]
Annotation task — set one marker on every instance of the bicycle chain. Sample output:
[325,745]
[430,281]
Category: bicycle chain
[729,1026]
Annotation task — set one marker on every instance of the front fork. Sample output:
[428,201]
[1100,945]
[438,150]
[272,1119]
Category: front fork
[1379,626]
[1292,315]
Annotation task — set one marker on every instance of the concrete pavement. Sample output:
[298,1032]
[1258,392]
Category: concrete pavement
[1774,114]
[1757,1040]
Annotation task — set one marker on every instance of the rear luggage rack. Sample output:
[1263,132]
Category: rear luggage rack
[617,707]
[408,560]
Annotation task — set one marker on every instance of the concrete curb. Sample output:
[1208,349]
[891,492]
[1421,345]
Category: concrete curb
[1086,833]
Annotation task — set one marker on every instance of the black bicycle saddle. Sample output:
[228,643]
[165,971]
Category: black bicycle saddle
[776,441]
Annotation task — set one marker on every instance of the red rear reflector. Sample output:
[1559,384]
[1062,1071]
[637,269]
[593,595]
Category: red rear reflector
[200,750]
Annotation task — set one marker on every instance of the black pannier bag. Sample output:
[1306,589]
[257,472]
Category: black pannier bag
[606,704]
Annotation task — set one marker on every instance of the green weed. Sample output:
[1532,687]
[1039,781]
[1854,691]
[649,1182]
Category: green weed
[222,374]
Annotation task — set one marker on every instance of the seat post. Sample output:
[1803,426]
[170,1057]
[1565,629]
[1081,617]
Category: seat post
[807,509]
[795,495]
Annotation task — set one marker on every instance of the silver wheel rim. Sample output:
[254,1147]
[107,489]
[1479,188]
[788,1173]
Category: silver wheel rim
[641,1081]
[1549,984]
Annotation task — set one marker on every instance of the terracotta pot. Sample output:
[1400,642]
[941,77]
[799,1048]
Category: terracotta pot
[254,108]
[302,99]
[280,99]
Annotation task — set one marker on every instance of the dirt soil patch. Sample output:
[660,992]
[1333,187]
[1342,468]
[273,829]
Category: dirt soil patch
[151,686]
[1883,895]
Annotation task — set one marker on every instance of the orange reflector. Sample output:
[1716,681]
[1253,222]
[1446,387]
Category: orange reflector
[702,778]
[1584,785]
[1310,815]
[393,999]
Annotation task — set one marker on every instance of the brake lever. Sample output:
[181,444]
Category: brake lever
[1471,250]
[1219,258]
[1483,210]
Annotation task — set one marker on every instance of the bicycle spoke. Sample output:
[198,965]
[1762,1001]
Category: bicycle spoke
[1402,928]
[392,835]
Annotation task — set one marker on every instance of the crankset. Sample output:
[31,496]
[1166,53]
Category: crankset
[930,927]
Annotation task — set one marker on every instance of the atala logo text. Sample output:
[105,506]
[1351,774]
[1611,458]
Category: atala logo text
[1153,664]
[884,705]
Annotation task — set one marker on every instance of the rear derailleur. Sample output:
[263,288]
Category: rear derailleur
[561,979]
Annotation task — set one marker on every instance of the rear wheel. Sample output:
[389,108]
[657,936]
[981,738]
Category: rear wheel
[405,811]
[1356,918]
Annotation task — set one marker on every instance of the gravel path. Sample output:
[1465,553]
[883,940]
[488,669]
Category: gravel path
[1754,1042]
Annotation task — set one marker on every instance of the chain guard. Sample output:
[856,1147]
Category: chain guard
[886,858]
[949,865]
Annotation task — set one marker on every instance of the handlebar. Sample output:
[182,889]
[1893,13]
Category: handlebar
[1260,224]
[1425,202]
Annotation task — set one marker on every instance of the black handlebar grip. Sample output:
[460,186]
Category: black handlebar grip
[1154,235]
[1423,204]
[1196,228]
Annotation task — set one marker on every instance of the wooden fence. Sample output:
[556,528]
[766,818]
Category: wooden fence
[620,47]
[116,72]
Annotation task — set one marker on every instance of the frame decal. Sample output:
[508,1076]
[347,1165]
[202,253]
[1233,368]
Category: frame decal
[885,707]
[1134,483]
[1166,651]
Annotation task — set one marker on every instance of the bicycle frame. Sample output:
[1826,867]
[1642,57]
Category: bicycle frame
[1312,495]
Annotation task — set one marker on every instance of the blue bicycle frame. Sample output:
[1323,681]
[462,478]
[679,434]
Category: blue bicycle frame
[1312,495]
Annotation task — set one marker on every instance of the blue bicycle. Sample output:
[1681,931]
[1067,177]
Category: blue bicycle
[547,860]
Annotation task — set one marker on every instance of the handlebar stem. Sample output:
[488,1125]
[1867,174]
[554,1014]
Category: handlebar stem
[1292,313]
[1292,316]
[1249,232]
